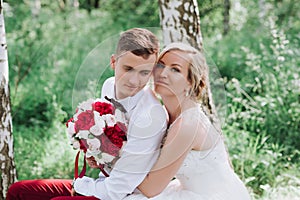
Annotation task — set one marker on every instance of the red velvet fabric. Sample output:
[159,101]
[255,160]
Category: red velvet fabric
[43,189]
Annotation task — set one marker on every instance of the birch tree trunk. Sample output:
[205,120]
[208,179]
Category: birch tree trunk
[180,22]
[8,170]
[226,17]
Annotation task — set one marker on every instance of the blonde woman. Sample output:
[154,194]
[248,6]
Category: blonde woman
[193,151]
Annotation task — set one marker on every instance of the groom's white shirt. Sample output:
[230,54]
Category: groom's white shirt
[147,126]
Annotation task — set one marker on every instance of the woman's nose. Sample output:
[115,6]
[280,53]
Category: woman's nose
[164,72]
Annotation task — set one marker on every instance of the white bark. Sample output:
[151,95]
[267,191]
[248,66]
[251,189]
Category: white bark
[180,22]
[8,171]
[3,49]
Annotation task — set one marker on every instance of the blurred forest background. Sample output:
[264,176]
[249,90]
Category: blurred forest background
[258,58]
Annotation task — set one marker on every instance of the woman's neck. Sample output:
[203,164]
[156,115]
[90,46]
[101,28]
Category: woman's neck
[176,106]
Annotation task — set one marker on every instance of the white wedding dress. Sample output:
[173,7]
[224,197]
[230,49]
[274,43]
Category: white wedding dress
[204,175]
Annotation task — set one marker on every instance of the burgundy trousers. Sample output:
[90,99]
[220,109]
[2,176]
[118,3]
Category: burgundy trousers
[43,189]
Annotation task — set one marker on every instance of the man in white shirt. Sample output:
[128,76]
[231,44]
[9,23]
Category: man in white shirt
[133,64]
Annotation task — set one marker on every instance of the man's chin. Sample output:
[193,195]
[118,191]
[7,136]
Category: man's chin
[131,94]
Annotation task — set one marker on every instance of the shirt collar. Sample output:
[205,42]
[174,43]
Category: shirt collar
[130,102]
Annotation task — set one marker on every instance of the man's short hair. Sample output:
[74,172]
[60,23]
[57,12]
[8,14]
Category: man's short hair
[139,41]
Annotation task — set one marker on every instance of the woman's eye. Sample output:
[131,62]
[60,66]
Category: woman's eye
[160,65]
[174,69]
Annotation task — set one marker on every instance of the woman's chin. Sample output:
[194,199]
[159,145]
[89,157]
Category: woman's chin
[163,91]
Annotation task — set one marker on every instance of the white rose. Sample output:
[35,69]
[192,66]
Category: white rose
[75,116]
[88,154]
[120,116]
[96,130]
[86,105]
[75,143]
[71,128]
[99,120]
[107,157]
[109,119]
[83,134]
[94,145]
[98,158]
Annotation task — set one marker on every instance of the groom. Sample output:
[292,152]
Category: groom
[133,63]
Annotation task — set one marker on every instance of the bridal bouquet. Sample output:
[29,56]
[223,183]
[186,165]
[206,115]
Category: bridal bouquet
[99,129]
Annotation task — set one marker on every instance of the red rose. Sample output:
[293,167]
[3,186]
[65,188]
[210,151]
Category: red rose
[103,108]
[115,135]
[107,146]
[116,140]
[85,121]
[123,127]
[109,131]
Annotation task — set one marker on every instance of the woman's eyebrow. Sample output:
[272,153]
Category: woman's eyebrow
[176,64]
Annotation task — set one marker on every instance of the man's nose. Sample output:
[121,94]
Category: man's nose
[134,79]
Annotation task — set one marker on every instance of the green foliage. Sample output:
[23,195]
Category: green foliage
[211,17]
[267,96]
[259,162]
[262,127]
[135,13]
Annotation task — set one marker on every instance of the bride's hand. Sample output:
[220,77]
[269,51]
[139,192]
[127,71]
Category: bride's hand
[92,162]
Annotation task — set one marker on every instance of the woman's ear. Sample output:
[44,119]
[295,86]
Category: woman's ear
[113,61]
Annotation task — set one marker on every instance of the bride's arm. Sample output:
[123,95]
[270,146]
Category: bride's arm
[180,140]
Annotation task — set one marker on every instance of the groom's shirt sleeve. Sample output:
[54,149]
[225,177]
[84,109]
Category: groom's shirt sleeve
[147,126]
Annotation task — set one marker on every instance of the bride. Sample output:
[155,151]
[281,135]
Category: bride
[193,151]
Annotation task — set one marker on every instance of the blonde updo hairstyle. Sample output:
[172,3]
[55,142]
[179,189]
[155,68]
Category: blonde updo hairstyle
[198,70]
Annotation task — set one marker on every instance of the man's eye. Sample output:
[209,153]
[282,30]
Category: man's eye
[127,68]
[145,73]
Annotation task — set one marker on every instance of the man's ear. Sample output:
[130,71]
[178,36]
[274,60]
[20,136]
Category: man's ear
[113,61]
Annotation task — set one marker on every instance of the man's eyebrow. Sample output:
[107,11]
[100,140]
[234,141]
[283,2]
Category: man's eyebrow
[146,70]
[127,66]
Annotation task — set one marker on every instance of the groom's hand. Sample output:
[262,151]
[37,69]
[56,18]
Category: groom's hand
[92,162]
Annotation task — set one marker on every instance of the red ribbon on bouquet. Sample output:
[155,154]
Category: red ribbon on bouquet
[83,171]
[101,167]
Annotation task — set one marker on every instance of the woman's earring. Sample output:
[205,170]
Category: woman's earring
[187,93]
